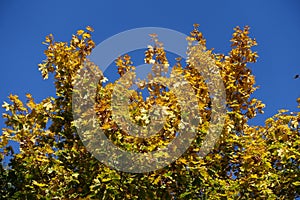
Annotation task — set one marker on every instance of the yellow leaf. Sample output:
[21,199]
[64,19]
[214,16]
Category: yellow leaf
[42,159]
[297,183]
[253,176]
[183,160]
[6,106]
[86,35]
[48,105]
[39,184]
[80,32]
[49,150]
[156,180]
[89,29]
[106,180]
[106,126]
[247,157]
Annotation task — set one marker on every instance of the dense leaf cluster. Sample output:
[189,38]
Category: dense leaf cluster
[247,162]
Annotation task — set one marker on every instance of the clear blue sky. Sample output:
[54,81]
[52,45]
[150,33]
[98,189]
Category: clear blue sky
[275,25]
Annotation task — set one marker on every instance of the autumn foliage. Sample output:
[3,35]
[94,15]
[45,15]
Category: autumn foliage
[247,162]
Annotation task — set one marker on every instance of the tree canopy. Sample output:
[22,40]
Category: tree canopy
[246,162]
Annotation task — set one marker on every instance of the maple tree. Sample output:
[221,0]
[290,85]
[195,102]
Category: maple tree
[247,162]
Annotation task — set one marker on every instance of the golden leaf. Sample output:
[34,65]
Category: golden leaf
[89,28]
[80,32]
